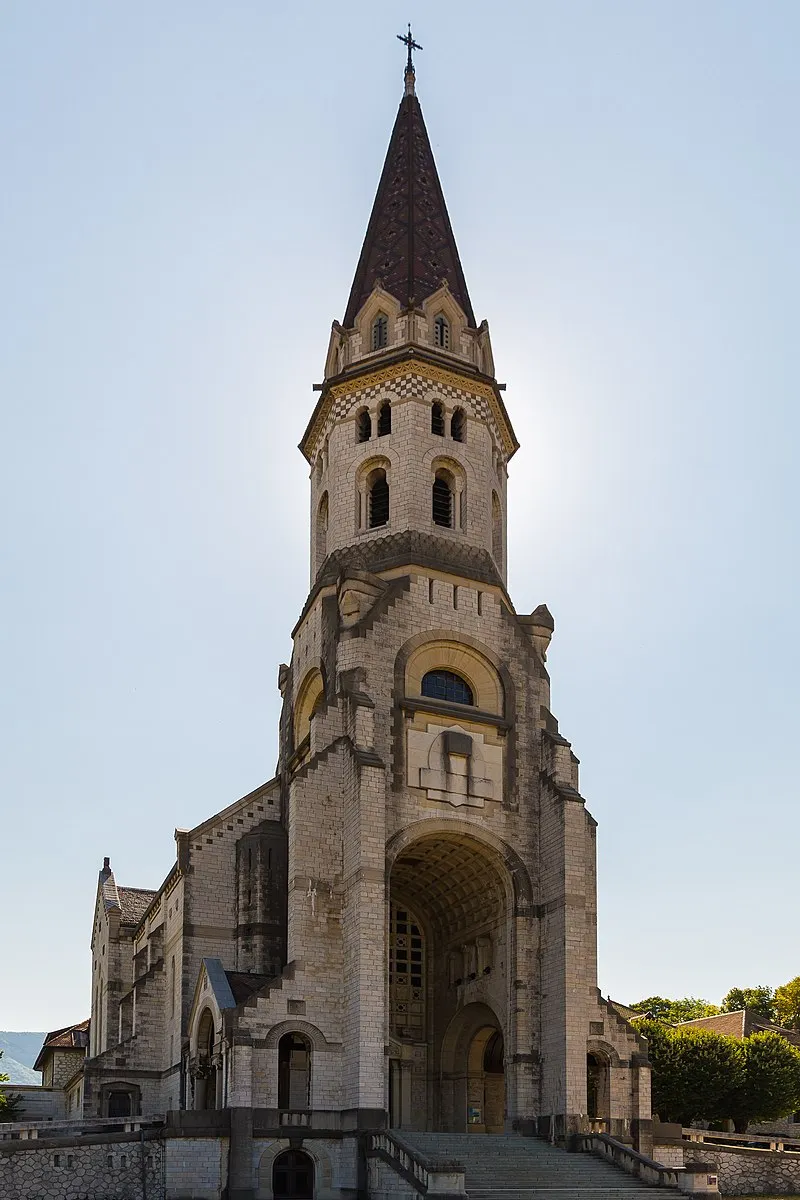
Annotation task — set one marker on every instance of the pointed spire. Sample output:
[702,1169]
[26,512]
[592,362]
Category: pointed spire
[409,247]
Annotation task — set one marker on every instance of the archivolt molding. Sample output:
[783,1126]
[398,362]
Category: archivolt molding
[319,1042]
[449,653]
[206,1005]
[446,462]
[511,867]
[464,1026]
[323,1168]
[604,1050]
[372,462]
[309,695]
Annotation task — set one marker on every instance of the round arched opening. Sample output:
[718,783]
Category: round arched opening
[205,1067]
[598,1091]
[449,899]
[293,1176]
[294,1072]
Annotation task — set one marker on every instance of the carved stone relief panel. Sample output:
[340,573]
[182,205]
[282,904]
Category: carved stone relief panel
[454,766]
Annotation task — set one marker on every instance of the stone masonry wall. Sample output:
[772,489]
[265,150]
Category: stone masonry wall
[60,1171]
[195,1168]
[749,1172]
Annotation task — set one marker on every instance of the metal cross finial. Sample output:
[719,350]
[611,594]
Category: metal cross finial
[408,40]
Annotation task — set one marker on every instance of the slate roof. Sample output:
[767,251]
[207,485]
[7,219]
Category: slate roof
[740,1024]
[409,245]
[134,903]
[71,1037]
[244,984]
[627,1013]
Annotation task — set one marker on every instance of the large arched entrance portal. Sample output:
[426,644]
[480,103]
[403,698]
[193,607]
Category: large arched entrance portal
[448,983]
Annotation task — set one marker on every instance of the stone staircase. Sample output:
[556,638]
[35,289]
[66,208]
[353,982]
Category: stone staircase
[508,1167]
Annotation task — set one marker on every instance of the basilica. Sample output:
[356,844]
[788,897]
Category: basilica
[397,931]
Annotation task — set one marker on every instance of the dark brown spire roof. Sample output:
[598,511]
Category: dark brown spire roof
[409,248]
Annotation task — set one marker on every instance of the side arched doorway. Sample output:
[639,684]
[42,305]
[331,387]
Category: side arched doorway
[293,1176]
[598,1087]
[473,1075]
[205,1068]
[447,979]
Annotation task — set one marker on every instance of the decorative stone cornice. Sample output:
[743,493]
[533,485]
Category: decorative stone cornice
[412,362]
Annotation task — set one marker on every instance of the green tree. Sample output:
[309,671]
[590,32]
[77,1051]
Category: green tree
[787,1004]
[760,1000]
[675,1011]
[9,1105]
[771,1084]
[697,1074]
[668,1066]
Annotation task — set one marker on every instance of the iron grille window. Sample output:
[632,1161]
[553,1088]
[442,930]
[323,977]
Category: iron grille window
[385,420]
[442,503]
[379,502]
[380,332]
[446,685]
[406,975]
[437,420]
[457,425]
[441,333]
[364,425]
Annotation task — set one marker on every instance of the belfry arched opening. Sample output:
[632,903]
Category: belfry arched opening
[447,984]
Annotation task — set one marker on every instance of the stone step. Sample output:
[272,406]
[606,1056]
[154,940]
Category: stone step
[509,1167]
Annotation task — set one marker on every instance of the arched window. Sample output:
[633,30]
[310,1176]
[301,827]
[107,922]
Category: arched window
[385,419]
[322,530]
[205,1069]
[437,419]
[446,685]
[497,530]
[441,332]
[294,1072]
[310,697]
[293,1176]
[363,426]
[458,425]
[380,331]
[442,500]
[378,500]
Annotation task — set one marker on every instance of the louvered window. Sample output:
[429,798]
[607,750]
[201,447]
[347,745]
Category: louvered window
[380,331]
[385,420]
[458,425]
[379,501]
[441,332]
[442,503]
[437,420]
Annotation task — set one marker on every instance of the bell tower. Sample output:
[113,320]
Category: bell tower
[409,442]
[441,908]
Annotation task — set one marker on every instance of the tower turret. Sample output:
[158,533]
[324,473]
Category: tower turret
[409,441]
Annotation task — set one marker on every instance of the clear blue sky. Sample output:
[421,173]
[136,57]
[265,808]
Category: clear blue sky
[185,191]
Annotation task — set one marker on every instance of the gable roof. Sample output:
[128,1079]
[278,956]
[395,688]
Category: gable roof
[71,1037]
[741,1024]
[134,903]
[409,245]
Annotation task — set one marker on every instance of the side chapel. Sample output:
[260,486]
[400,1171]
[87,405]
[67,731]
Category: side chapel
[400,927]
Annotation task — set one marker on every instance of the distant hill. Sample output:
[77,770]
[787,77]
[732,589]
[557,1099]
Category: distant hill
[19,1055]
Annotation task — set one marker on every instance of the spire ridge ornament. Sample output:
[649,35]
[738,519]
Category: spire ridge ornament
[408,40]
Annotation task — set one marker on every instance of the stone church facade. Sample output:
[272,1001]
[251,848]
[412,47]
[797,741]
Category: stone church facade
[400,927]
